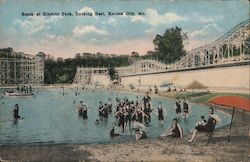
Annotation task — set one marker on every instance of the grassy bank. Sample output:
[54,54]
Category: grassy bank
[200,97]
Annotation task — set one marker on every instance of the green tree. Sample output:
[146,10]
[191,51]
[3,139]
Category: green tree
[169,46]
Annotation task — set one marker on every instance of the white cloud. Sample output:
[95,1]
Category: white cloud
[202,36]
[195,43]
[34,24]
[205,19]
[51,40]
[138,18]
[82,30]
[94,40]
[205,30]
[55,38]
[111,21]
[54,19]
[153,18]
[88,10]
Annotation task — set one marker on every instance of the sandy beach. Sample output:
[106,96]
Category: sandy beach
[238,149]
[168,149]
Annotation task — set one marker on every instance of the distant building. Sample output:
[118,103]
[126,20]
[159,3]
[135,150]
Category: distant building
[92,76]
[18,68]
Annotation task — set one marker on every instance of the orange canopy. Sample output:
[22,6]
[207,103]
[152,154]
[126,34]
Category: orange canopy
[232,101]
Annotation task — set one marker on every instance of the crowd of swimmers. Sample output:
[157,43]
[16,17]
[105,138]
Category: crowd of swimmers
[25,89]
[136,115]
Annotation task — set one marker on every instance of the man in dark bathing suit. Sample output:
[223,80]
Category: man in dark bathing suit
[178,106]
[16,112]
[146,100]
[186,108]
[85,111]
[160,113]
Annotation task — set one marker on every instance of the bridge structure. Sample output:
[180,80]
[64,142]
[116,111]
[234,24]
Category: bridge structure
[233,46]
[228,48]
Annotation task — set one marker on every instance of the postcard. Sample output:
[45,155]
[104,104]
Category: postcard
[124,80]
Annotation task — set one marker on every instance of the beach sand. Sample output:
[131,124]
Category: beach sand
[219,149]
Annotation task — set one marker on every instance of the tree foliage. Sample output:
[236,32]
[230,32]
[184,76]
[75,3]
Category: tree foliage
[169,46]
[63,70]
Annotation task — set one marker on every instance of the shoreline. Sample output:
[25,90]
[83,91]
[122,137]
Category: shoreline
[145,150]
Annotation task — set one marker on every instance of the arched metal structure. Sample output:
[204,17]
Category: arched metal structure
[140,67]
[228,48]
[231,47]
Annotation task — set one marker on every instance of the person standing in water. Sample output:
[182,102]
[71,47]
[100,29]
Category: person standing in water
[160,113]
[146,100]
[16,112]
[109,105]
[100,108]
[178,107]
[186,108]
[85,111]
[80,109]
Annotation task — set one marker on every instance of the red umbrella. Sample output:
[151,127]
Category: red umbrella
[232,101]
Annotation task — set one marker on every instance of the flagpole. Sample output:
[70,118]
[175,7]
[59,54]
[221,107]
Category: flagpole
[229,136]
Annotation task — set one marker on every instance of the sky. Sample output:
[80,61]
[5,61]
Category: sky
[64,36]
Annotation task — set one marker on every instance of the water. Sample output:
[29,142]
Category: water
[52,118]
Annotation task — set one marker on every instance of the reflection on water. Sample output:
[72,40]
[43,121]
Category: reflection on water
[51,118]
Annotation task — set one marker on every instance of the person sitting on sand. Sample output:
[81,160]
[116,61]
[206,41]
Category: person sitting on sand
[140,134]
[202,122]
[16,112]
[209,126]
[175,131]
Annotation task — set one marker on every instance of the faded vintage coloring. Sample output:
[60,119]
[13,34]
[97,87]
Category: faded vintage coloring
[135,80]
